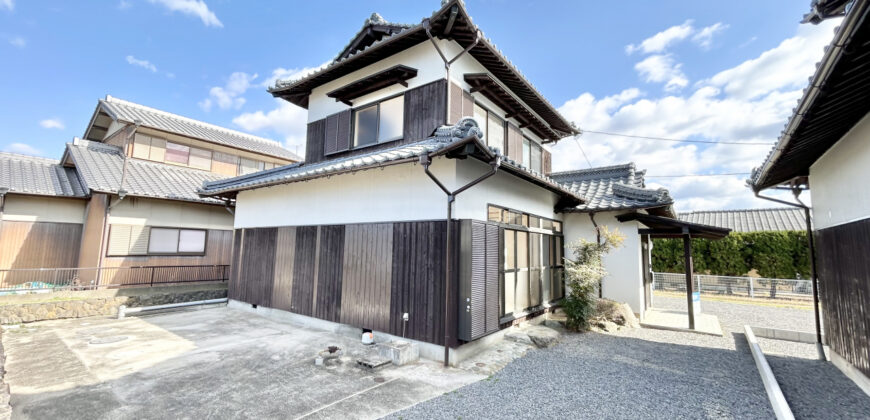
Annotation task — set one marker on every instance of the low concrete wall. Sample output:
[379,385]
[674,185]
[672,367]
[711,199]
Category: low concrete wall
[15,309]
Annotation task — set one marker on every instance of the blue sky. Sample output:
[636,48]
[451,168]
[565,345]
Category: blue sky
[708,70]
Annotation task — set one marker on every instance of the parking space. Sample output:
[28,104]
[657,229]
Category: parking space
[203,364]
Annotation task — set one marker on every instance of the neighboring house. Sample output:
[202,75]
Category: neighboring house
[750,220]
[825,148]
[127,195]
[357,234]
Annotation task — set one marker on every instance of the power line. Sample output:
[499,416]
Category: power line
[582,151]
[679,140]
[691,175]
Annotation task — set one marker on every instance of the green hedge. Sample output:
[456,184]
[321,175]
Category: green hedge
[781,255]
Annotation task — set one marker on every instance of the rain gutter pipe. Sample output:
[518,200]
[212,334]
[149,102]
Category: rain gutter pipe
[425,161]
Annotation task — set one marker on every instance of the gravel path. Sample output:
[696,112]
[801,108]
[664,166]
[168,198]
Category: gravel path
[639,373]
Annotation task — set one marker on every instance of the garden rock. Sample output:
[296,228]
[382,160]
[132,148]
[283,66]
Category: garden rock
[542,337]
[519,337]
[617,313]
[602,325]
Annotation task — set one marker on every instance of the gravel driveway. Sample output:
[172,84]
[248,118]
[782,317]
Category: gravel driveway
[639,373]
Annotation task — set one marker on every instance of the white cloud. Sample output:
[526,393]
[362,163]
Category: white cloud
[749,102]
[145,64]
[18,42]
[229,95]
[786,66]
[286,120]
[24,149]
[52,123]
[7,4]
[704,37]
[660,41]
[662,68]
[124,5]
[196,8]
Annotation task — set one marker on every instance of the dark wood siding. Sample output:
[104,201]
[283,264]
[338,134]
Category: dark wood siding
[547,164]
[330,262]
[515,143]
[314,141]
[368,266]
[461,103]
[365,275]
[425,108]
[844,277]
[285,249]
[304,269]
[234,286]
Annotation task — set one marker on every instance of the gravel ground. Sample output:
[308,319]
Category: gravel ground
[640,373]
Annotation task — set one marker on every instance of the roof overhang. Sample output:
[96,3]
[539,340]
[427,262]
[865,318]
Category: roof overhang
[665,227]
[397,74]
[451,21]
[836,99]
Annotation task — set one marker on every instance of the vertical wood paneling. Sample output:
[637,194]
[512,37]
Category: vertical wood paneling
[314,141]
[425,109]
[304,270]
[547,164]
[844,277]
[367,269]
[234,288]
[329,276]
[257,273]
[515,143]
[37,245]
[285,249]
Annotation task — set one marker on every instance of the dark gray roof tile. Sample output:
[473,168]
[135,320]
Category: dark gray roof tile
[38,176]
[750,220]
[617,187]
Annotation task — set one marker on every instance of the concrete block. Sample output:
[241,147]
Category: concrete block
[399,352]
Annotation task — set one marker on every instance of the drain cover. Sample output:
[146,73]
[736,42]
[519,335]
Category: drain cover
[108,340]
[380,379]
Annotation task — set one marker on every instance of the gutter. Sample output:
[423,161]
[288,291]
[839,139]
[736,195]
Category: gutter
[851,23]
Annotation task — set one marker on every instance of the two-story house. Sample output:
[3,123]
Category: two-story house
[124,196]
[408,127]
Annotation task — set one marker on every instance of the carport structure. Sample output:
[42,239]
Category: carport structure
[663,227]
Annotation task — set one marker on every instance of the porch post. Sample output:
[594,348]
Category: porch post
[687,254]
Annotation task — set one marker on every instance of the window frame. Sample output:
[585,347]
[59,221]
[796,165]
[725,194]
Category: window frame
[177,254]
[486,128]
[377,104]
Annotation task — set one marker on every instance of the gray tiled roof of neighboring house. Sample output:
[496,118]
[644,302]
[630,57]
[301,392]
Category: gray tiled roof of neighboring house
[750,220]
[38,176]
[161,120]
[100,167]
[618,187]
[445,137]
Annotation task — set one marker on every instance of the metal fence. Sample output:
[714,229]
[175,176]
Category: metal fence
[753,287]
[47,279]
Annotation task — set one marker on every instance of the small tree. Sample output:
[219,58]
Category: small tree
[582,276]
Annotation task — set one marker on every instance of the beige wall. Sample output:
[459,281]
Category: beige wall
[152,212]
[28,208]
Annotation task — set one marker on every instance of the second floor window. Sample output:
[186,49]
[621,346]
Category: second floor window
[380,122]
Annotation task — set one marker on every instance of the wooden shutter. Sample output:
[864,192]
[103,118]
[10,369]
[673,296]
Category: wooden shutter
[337,137]
[425,107]
[329,142]
[456,99]
[547,159]
[467,104]
[314,141]
[515,143]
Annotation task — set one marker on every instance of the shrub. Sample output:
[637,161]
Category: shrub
[583,274]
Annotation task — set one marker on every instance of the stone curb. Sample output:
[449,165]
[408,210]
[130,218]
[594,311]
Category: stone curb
[771,386]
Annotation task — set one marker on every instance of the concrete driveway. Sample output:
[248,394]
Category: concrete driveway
[211,363]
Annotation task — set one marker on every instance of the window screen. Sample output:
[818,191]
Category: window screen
[200,158]
[141,146]
[527,153]
[248,166]
[365,126]
[158,149]
[391,117]
[177,153]
[480,117]
[536,157]
[163,241]
[495,129]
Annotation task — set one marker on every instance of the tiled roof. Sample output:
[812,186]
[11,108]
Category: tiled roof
[751,220]
[445,138]
[100,166]
[161,120]
[38,176]
[618,187]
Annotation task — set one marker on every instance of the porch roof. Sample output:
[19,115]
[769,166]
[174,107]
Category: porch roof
[665,227]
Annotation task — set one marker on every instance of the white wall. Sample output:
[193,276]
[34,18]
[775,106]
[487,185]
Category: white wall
[422,57]
[624,282]
[28,208]
[150,212]
[395,193]
[838,185]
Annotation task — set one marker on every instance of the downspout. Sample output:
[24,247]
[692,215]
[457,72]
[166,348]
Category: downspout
[448,63]
[814,279]
[597,241]
[122,193]
[425,161]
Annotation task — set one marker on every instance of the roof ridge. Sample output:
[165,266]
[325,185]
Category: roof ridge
[114,100]
[597,169]
[21,156]
[740,210]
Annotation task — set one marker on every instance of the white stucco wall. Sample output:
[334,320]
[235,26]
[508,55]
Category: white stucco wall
[28,208]
[395,193]
[624,282]
[838,188]
[150,212]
